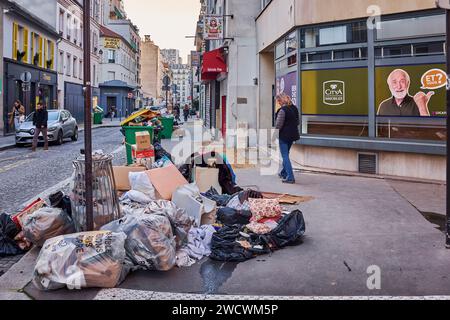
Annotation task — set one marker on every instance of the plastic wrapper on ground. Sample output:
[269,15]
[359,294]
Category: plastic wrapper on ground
[82,260]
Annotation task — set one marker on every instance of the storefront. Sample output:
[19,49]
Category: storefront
[43,86]
[117,94]
[366,96]
[213,69]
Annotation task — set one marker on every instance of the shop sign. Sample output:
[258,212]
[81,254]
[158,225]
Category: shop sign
[112,43]
[334,93]
[46,77]
[213,27]
[287,84]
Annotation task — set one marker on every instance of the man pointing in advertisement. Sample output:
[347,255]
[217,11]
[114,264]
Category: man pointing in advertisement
[401,103]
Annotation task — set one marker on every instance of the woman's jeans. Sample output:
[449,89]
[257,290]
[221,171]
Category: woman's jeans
[287,172]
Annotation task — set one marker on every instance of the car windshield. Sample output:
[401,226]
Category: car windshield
[52,116]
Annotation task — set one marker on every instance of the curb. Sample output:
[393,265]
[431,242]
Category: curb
[13,145]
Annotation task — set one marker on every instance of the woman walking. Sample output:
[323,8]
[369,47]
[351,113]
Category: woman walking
[288,120]
[17,115]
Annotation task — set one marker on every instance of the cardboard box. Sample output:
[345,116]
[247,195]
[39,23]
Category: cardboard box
[142,154]
[205,178]
[166,180]
[143,140]
[121,176]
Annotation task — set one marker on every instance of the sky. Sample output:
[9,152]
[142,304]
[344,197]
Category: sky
[168,22]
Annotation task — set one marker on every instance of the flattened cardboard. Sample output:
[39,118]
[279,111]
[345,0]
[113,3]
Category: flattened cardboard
[166,180]
[121,176]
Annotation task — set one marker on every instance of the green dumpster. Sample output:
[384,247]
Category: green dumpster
[98,117]
[130,138]
[166,132]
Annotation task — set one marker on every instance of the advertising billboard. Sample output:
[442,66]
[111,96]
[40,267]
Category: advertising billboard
[213,29]
[335,92]
[287,84]
[411,91]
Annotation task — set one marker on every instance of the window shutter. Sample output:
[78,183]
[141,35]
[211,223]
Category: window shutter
[25,44]
[40,51]
[52,54]
[45,53]
[32,47]
[15,40]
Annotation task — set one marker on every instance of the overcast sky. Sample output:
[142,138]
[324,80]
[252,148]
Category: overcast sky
[166,21]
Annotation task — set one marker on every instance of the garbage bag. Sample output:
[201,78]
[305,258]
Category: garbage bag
[225,245]
[47,223]
[160,152]
[8,231]
[180,221]
[220,199]
[81,260]
[150,244]
[59,200]
[139,181]
[136,196]
[289,231]
[186,171]
[231,216]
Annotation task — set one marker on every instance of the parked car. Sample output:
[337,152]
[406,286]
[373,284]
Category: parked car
[61,125]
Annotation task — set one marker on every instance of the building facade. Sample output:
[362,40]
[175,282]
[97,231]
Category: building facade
[341,66]
[118,71]
[171,56]
[152,72]
[29,53]
[182,80]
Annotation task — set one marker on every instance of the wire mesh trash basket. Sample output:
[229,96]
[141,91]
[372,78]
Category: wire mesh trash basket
[105,200]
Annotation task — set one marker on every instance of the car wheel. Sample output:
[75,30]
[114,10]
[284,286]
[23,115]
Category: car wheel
[60,139]
[75,135]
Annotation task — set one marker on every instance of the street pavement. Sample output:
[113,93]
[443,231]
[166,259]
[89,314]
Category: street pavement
[353,225]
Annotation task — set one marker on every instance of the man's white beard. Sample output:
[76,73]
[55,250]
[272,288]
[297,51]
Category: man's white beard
[399,95]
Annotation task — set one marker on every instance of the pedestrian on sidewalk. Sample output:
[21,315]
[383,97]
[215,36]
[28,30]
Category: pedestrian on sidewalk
[288,120]
[186,113]
[17,115]
[40,118]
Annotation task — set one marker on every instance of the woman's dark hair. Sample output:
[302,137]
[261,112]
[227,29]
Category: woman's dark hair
[18,101]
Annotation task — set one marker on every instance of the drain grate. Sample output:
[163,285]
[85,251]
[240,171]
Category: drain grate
[367,163]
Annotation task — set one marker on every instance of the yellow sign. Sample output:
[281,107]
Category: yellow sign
[112,43]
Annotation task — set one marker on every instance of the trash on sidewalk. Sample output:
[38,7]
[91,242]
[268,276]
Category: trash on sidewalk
[229,216]
[106,203]
[220,199]
[61,201]
[47,223]
[198,246]
[140,116]
[197,206]
[8,231]
[287,198]
[150,244]
[20,217]
[166,180]
[207,178]
[121,176]
[81,260]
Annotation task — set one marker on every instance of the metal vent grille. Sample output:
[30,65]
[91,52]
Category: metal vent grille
[367,163]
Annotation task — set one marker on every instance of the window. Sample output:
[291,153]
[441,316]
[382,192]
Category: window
[412,27]
[75,67]
[68,65]
[355,32]
[280,50]
[61,22]
[75,30]
[111,56]
[333,35]
[291,42]
[81,69]
[68,27]
[61,62]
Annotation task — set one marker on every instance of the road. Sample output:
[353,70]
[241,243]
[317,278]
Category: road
[25,174]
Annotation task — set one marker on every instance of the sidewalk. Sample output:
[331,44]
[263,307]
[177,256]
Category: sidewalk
[8,142]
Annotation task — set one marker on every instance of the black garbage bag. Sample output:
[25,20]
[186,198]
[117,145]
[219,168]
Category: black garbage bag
[61,201]
[225,245]
[220,199]
[289,231]
[229,216]
[8,231]
[160,152]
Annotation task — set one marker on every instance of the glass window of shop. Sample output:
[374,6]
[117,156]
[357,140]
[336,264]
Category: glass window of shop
[334,80]
[410,78]
[409,75]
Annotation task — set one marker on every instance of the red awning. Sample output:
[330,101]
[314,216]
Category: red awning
[213,64]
